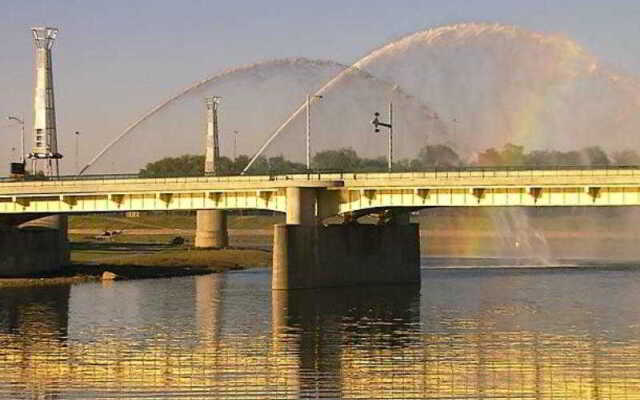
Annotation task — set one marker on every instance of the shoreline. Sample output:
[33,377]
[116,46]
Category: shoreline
[92,272]
[132,261]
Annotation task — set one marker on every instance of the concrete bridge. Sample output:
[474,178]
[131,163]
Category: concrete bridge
[309,254]
[334,194]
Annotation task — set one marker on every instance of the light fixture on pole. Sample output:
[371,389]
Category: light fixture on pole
[377,124]
[309,98]
[21,122]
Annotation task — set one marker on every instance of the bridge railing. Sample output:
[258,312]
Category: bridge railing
[336,174]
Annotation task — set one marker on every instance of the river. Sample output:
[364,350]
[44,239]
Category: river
[463,334]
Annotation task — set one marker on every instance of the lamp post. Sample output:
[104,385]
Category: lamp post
[77,152]
[309,98]
[235,144]
[21,122]
[377,124]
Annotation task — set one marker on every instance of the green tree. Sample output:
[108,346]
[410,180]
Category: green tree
[552,158]
[489,157]
[512,154]
[185,165]
[437,156]
[626,157]
[344,159]
[374,164]
[594,155]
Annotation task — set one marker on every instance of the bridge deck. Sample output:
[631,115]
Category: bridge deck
[344,192]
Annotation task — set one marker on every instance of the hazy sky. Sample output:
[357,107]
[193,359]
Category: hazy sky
[115,59]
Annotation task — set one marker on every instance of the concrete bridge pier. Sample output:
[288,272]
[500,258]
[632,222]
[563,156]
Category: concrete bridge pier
[309,255]
[58,226]
[211,229]
[36,247]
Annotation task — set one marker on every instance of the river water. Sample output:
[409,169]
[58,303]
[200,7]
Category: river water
[462,334]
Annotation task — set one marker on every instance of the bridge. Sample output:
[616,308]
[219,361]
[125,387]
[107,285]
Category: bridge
[308,253]
[334,193]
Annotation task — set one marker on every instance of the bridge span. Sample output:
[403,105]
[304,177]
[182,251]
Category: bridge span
[308,254]
[334,193]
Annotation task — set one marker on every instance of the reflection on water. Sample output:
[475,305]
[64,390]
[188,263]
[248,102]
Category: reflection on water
[464,334]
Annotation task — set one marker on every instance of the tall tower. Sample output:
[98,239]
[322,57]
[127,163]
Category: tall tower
[45,140]
[211,225]
[212,154]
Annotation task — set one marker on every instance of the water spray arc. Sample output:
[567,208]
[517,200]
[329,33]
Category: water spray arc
[196,86]
[279,81]
[390,90]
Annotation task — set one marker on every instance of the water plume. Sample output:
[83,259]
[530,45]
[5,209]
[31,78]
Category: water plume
[491,84]
[255,97]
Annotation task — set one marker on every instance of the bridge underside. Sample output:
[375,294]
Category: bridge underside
[331,201]
[308,254]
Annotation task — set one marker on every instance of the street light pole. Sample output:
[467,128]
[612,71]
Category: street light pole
[21,122]
[309,97]
[235,144]
[377,124]
[77,152]
[390,156]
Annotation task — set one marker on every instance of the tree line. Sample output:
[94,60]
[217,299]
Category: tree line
[429,156]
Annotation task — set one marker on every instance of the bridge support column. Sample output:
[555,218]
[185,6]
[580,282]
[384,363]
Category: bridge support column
[301,206]
[211,229]
[36,247]
[345,255]
[58,225]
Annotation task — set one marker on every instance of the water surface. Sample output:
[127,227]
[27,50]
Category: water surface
[463,334]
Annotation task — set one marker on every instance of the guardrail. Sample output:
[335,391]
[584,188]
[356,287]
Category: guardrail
[341,174]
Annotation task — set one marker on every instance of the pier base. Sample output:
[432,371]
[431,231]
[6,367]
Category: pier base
[344,255]
[211,229]
[37,247]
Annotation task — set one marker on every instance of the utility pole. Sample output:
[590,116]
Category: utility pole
[390,156]
[235,145]
[377,124]
[21,122]
[77,152]
[309,98]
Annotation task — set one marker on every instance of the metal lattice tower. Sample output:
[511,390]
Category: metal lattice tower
[212,153]
[45,140]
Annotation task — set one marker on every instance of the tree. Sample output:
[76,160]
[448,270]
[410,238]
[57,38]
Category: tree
[344,159]
[437,156]
[374,164]
[512,154]
[489,157]
[626,157]
[594,155]
[193,165]
[552,158]
[185,165]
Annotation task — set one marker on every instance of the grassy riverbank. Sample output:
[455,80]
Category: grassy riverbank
[138,252]
[144,257]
